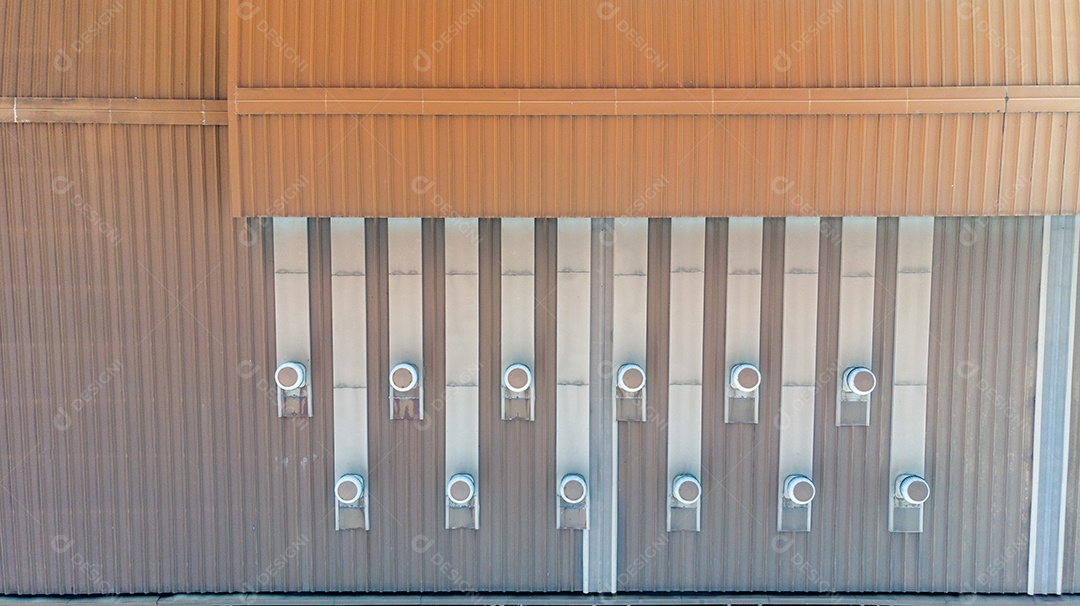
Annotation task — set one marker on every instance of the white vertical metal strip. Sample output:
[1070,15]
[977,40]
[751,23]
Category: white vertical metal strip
[462,347]
[292,314]
[914,261]
[631,263]
[572,364]
[687,317]
[858,258]
[1037,572]
[518,291]
[406,291]
[743,309]
[349,300]
[798,365]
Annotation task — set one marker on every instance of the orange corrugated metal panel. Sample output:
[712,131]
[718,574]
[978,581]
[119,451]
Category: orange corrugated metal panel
[562,165]
[113,48]
[939,164]
[640,43]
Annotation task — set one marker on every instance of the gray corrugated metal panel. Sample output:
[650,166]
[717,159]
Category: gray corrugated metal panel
[408,539]
[520,549]
[329,559]
[984,319]
[113,48]
[601,557]
[559,565]
[1053,410]
[850,546]
[517,547]
[643,540]
[991,264]
[840,469]
[737,548]
[1071,571]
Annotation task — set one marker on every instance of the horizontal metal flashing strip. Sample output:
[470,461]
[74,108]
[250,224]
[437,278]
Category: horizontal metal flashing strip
[577,599]
[657,101]
[79,110]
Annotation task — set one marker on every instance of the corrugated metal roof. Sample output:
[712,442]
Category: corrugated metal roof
[357,59]
[661,165]
[639,43]
[113,48]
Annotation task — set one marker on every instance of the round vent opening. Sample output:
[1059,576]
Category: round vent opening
[686,489]
[631,378]
[349,488]
[517,378]
[860,380]
[799,489]
[912,489]
[461,488]
[745,377]
[290,375]
[404,377]
[572,488]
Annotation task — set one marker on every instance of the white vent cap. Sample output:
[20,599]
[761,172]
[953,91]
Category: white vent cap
[799,489]
[461,488]
[686,489]
[912,489]
[631,378]
[517,378]
[290,376]
[573,489]
[745,378]
[349,488]
[860,380]
[404,377]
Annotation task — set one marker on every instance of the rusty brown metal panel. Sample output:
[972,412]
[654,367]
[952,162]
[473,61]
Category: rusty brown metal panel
[132,405]
[661,166]
[639,44]
[113,48]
